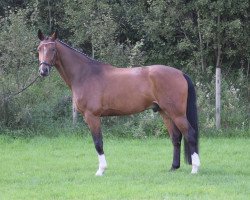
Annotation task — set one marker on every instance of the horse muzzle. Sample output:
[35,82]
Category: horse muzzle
[44,71]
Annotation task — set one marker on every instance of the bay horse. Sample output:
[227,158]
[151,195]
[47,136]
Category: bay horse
[100,89]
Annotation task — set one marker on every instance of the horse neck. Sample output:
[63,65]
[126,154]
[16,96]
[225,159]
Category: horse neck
[72,65]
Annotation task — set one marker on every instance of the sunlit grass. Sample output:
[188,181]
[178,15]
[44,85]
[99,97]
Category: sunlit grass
[63,168]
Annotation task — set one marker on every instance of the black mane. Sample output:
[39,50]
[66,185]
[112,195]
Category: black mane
[78,51]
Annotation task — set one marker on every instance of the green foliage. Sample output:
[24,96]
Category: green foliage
[17,59]
[184,34]
[140,125]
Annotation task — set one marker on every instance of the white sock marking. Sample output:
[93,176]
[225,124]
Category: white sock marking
[195,163]
[102,165]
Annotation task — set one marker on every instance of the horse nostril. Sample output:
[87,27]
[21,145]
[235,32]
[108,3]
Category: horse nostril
[44,71]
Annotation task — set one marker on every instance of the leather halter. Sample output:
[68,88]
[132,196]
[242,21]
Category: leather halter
[46,63]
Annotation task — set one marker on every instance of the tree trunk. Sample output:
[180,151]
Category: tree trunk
[50,20]
[200,43]
[74,113]
[218,79]
[218,97]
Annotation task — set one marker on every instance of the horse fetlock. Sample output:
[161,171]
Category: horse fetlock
[195,163]
[195,169]
[102,165]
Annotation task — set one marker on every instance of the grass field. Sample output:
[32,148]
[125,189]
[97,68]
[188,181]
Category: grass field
[63,168]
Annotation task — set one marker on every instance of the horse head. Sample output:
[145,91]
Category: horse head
[47,52]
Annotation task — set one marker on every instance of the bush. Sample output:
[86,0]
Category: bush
[234,110]
[140,125]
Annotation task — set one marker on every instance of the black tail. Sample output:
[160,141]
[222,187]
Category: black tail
[192,117]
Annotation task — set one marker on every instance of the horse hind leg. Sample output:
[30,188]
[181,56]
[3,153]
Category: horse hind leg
[193,147]
[176,137]
[191,151]
[176,140]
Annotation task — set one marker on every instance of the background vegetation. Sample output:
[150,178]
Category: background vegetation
[194,36]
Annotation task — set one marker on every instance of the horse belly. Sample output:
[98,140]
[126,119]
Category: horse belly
[126,101]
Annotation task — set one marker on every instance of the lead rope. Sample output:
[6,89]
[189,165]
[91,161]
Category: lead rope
[24,88]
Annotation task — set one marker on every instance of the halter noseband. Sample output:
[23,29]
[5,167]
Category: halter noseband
[45,63]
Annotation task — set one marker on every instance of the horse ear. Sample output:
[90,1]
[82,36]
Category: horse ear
[40,35]
[54,35]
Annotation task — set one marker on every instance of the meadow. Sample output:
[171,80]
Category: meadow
[63,167]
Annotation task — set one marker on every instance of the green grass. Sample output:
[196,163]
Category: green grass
[63,168]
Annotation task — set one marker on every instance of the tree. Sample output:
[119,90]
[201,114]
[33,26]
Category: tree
[17,55]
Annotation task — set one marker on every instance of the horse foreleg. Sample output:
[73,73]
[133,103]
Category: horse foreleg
[94,124]
[97,138]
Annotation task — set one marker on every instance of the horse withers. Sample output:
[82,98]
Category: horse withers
[100,89]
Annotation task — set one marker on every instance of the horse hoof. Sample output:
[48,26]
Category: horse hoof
[194,169]
[173,169]
[99,172]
